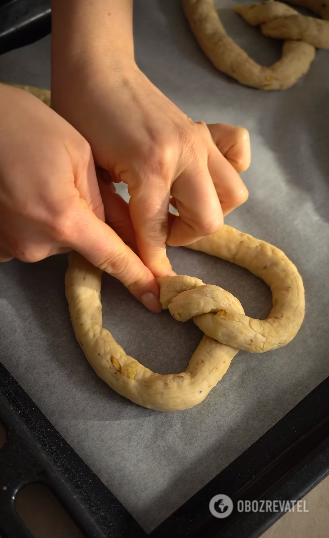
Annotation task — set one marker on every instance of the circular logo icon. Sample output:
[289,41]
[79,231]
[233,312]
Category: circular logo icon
[221,506]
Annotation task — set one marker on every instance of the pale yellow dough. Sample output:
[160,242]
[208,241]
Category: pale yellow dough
[43,95]
[282,22]
[229,58]
[219,315]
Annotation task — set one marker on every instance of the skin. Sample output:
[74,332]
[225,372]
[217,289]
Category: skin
[137,134]
[58,206]
[108,117]
[50,201]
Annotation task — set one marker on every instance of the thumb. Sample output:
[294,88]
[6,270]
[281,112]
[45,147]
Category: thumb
[100,245]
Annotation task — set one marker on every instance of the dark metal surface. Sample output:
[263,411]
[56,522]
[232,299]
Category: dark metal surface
[22,22]
[285,463]
[35,452]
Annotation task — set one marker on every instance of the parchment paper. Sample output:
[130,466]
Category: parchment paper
[153,462]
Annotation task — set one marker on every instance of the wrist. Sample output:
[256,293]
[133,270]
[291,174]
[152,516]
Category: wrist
[80,76]
[90,34]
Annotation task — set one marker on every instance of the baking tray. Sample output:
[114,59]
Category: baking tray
[284,464]
[22,22]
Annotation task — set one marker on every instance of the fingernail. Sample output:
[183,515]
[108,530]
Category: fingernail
[151,302]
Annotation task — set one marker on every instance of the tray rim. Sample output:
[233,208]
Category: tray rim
[285,463]
[22,22]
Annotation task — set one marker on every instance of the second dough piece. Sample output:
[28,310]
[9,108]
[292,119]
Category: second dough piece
[229,58]
[283,22]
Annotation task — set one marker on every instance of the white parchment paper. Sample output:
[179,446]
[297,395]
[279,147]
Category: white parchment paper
[153,462]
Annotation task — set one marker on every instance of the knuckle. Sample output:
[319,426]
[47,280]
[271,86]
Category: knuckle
[26,253]
[202,124]
[154,233]
[158,157]
[115,263]
[210,226]
[205,133]
[241,197]
[195,147]
[161,161]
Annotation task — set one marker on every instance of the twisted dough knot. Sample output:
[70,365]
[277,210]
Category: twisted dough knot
[215,311]
[283,22]
[301,34]
[218,314]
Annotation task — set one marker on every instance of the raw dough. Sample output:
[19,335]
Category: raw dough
[215,311]
[218,314]
[229,58]
[43,95]
[282,22]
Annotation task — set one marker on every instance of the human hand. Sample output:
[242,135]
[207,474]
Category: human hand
[49,196]
[141,138]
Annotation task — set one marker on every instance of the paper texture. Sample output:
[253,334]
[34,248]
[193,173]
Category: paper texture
[153,462]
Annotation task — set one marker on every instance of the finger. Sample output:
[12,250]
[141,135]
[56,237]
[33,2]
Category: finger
[229,186]
[117,214]
[198,205]
[148,208]
[99,244]
[233,142]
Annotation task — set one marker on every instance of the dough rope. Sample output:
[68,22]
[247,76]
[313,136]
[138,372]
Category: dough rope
[218,313]
[282,22]
[301,34]
[43,95]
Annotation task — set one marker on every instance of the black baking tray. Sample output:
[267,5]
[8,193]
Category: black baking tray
[22,22]
[284,464]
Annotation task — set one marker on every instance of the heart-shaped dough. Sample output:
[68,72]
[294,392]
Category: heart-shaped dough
[215,311]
